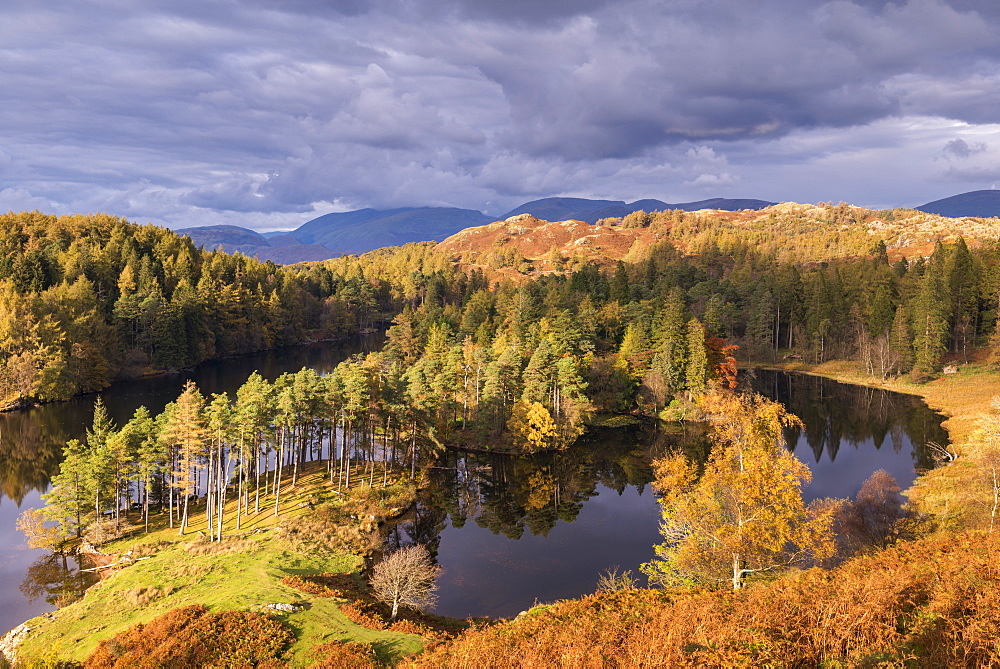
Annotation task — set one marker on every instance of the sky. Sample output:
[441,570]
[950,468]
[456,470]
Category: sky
[268,113]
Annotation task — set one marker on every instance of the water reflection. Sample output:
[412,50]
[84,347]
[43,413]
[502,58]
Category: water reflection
[30,451]
[56,579]
[509,530]
[31,443]
[850,431]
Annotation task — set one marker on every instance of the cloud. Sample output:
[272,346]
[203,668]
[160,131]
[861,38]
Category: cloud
[265,112]
[959,148]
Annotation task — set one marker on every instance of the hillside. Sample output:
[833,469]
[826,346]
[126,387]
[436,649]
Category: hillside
[525,245]
[362,230]
[591,211]
[234,239]
[929,603]
[981,203]
[368,229]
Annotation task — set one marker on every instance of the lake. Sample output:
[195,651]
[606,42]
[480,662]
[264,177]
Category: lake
[508,531]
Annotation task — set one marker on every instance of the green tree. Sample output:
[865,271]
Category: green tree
[696,376]
[67,499]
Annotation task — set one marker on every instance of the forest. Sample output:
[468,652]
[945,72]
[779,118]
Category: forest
[523,364]
[87,299]
[514,366]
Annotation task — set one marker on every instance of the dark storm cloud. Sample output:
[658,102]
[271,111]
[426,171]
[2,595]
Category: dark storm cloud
[240,111]
[959,148]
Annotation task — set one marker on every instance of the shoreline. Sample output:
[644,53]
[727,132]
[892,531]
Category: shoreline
[962,398]
[26,403]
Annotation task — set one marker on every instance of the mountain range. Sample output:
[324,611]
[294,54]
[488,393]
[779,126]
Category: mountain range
[977,203]
[354,232]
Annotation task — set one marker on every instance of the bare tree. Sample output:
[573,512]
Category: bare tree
[406,578]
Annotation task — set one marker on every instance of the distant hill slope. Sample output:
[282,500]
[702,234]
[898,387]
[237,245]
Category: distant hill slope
[355,232]
[978,203]
[234,239]
[523,245]
[591,211]
[369,229]
[229,238]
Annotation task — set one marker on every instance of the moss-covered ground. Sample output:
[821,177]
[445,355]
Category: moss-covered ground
[243,572]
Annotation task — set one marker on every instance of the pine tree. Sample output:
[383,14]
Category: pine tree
[697,373]
[185,429]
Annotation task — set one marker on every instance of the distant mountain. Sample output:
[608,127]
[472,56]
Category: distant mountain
[591,211]
[349,232]
[233,239]
[229,238]
[340,233]
[977,203]
[368,229]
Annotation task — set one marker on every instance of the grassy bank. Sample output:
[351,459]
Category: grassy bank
[243,572]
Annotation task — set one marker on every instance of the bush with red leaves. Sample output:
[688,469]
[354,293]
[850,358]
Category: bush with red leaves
[192,637]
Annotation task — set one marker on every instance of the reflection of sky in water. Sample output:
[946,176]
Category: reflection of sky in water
[489,574]
[15,558]
[50,425]
[855,462]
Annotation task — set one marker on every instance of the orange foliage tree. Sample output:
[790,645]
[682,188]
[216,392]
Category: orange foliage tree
[744,514]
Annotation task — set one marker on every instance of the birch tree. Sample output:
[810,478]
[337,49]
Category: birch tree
[744,515]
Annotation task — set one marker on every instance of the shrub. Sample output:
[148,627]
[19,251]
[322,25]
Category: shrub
[933,603]
[192,637]
[323,585]
[338,655]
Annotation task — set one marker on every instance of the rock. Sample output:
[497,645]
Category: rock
[284,608]
[950,369]
[10,642]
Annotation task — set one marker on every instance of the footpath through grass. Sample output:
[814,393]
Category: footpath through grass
[243,572]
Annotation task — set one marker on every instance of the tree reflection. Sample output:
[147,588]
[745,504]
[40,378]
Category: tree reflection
[837,414]
[31,445]
[57,579]
[511,496]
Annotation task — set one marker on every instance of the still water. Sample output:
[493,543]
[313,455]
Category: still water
[31,443]
[508,531]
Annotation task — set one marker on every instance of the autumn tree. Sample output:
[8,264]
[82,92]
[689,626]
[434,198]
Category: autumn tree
[31,523]
[186,431]
[532,426]
[875,517]
[744,515]
[406,577]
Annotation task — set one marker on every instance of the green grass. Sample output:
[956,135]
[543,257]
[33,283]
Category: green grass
[241,573]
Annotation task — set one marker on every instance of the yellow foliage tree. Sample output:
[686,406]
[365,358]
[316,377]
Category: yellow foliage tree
[532,426]
[744,515]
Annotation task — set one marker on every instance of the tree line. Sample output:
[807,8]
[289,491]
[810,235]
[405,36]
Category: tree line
[85,299]
[533,359]
[219,448]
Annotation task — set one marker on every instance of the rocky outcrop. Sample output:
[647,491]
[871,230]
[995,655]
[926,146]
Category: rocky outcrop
[11,641]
